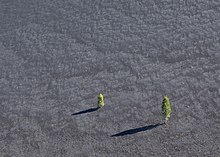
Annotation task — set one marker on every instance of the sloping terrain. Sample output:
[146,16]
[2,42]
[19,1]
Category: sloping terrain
[57,56]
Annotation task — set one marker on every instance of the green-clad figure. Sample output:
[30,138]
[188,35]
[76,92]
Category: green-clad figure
[101,100]
[166,109]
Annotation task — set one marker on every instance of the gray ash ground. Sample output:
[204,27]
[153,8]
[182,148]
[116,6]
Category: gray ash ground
[57,56]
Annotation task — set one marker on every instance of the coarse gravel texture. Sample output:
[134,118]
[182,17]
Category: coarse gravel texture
[57,56]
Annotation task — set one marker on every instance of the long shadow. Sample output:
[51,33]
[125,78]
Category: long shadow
[136,130]
[86,111]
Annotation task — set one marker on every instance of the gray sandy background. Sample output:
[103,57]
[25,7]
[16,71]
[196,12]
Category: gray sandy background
[57,56]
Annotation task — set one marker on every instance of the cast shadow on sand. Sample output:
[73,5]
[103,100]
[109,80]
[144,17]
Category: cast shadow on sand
[136,130]
[86,111]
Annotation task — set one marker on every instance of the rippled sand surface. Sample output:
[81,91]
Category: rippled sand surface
[57,56]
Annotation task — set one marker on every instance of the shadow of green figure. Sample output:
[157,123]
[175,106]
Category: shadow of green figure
[166,109]
[101,100]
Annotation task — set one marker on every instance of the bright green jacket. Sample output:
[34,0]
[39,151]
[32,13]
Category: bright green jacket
[166,109]
[101,100]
